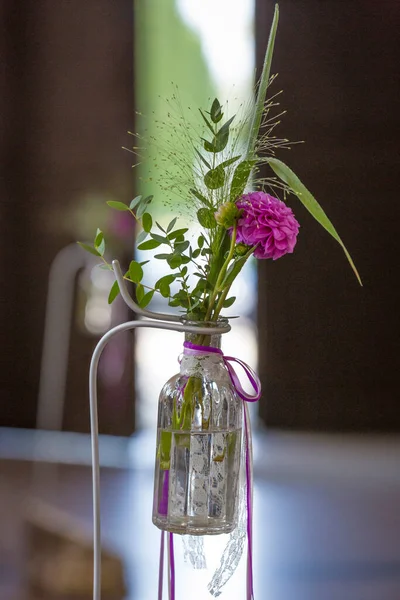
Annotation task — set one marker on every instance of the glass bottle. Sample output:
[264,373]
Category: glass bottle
[199,440]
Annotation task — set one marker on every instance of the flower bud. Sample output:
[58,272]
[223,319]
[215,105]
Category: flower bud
[227,214]
[241,249]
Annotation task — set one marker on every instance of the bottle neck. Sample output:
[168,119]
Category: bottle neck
[204,340]
[210,365]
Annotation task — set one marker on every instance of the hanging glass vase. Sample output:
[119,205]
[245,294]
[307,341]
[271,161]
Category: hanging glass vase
[199,442]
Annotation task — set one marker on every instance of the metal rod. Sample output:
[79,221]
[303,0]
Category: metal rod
[57,331]
[94,426]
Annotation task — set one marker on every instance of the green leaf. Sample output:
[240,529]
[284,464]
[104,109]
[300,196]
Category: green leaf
[208,146]
[117,205]
[114,291]
[159,238]
[149,245]
[181,247]
[200,241]
[228,162]
[99,242]
[163,256]
[171,225]
[144,262]
[216,111]
[258,110]
[203,160]
[160,228]
[142,236]
[206,218]
[174,234]
[146,299]
[167,279]
[89,249]
[175,261]
[147,222]
[196,253]
[165,290]
[142,207]
[135,202]
[201,286]
[135,272]
[174,302]
[229,301]
[184,301]
[240,178]
[233,271]
[139,293]
[221,138]
[215,178]
[98,238]
[207,122]
[202,198]
[102,247]
[307,199]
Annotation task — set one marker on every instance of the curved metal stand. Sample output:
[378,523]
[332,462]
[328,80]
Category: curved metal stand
[160,321]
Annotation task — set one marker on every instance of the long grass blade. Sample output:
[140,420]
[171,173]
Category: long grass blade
[262,88]
[309,202]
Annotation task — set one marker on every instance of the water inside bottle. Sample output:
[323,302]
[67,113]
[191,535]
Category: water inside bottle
[196,483]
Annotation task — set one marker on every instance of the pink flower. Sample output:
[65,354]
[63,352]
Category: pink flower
[268,223]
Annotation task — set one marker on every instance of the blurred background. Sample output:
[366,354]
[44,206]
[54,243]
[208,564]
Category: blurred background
[76,77]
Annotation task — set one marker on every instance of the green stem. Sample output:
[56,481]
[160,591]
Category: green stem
[222,274]
[227,289]
[184,284]
[133,214]
[221,301]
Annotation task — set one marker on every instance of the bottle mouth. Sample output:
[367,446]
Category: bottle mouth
[221,323]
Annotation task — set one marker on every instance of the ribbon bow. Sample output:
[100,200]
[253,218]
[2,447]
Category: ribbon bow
[191,349]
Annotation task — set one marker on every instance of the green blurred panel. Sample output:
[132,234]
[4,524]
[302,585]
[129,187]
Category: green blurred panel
[168,54]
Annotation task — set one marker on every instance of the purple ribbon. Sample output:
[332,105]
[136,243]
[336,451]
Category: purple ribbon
[193,350]
[171,567]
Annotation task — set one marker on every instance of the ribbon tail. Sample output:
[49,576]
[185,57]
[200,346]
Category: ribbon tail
[249,499]
[251,376]
[161,567]
[171,562]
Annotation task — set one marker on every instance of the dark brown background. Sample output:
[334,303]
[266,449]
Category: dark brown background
[67,103]
[330,349]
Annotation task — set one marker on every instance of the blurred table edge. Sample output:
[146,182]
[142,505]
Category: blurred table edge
[275,452]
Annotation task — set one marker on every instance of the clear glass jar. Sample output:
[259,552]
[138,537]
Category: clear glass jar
[199,442]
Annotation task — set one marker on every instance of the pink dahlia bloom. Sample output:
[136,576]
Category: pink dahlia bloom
[268,223]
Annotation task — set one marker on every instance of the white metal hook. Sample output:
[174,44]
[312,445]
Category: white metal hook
[160,321]
[132,304]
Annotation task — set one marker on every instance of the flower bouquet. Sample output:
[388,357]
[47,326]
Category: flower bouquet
[237,192]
